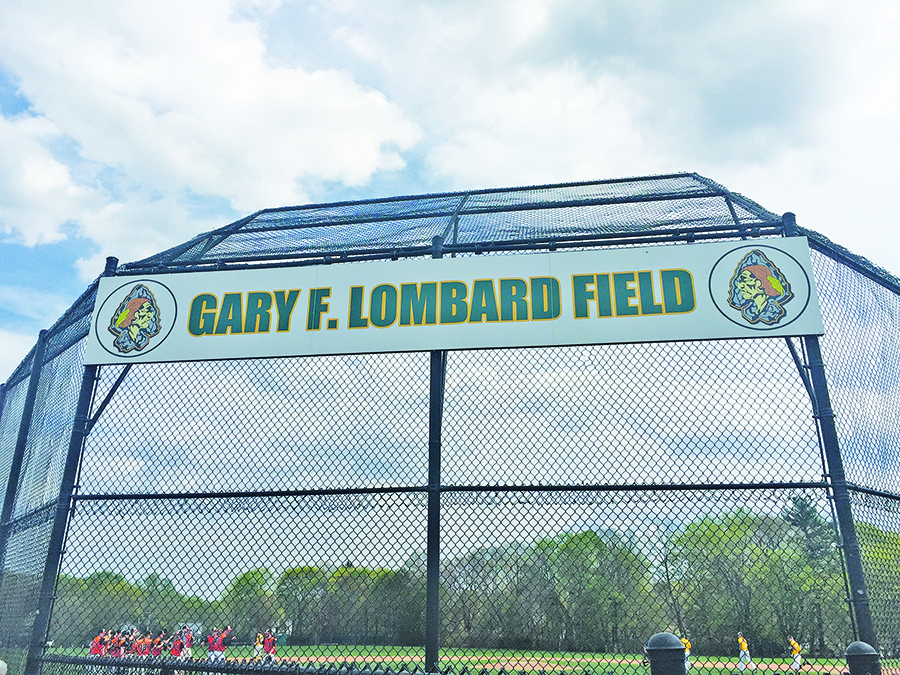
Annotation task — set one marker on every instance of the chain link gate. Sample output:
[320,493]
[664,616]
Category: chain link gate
[586,497]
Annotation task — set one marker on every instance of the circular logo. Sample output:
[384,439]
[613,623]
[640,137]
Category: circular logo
[759,287]
[136,318]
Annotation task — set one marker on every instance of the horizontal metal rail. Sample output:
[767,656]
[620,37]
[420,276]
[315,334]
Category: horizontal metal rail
[643,487]
[165,666]
[681,235]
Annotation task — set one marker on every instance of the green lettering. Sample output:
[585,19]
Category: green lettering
[624,293]
[284,305]
[678,291]
[317,307]
[202,318]
[513,300]
[645,290]
[231,317]
[484,302]
[259,312]
[545,298]
[383,306]
[418,305]
[582,294]
[454,308]
[604,297]
[357,320]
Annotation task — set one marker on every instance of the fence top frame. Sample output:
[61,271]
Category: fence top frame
[641,210]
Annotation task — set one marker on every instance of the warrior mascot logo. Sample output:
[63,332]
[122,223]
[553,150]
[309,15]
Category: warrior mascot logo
[135,321]
[759,290]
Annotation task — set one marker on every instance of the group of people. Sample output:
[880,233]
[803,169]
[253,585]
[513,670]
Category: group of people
[179,645]
[136,644]
[744,660]
[265,647]
[793,647]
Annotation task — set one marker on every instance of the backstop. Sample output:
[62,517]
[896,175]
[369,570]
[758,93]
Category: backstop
[530,508]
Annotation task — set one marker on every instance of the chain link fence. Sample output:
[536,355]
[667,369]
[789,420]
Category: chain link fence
[588,497]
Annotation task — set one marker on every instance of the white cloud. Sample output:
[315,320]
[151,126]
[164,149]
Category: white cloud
[13,348]
[180,96]
[33,304]
[544,126]
[37,192]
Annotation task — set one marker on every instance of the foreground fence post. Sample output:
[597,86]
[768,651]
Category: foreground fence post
[862,659]
[80,427]
[437,375]
[665,652]
[859,598]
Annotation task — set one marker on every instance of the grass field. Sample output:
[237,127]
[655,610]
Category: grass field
[474,660]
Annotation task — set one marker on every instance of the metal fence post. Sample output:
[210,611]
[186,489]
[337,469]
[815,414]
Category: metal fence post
[437,373]
[433,546]
[61,521]
[15,467]
[80,426]
[859,599]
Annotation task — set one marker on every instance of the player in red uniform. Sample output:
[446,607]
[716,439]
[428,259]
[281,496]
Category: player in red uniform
[98,645]
[116,645]
[221,645]
[211,640]
[159,643]
[269,646]
[177,646]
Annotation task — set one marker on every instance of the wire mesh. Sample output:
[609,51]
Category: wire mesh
[23,567]
[581,579]
[673,413]
[864,381]
[313,570]
[878,528]
[655,203]
[267,425]
[10,421]
[51,430]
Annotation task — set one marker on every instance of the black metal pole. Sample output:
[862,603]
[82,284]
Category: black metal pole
[437,372]
[859,599]
[64,506]
[15,467]
[433,545]
[2,399]
[61,521]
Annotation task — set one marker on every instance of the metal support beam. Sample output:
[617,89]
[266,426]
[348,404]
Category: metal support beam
[64,507]
[859,599]
[61,521]
[433,546]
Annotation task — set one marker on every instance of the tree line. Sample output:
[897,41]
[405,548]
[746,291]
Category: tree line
[594,591]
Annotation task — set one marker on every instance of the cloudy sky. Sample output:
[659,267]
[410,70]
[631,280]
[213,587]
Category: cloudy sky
[127,127]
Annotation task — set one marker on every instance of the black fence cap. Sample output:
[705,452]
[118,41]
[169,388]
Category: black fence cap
[859,648]
[664,641]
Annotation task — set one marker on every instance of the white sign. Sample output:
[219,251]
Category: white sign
[601,296]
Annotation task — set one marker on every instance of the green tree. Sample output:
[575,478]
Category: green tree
[818,534]
[880,551]
[84,607]
[349,610]
[249,603]
[765,576]
[301,595]
[605,587]
[398,606]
